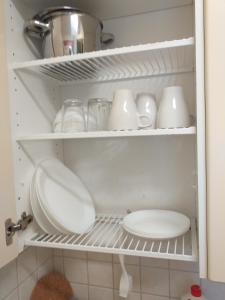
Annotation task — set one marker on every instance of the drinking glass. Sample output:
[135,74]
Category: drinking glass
[73,119]
[98,113]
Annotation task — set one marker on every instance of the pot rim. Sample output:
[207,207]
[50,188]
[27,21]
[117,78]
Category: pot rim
[56,11]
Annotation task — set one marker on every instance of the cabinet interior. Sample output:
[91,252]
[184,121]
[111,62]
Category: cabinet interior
[121,173]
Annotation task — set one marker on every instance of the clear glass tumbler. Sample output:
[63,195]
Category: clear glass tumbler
[73,119]
[98,113]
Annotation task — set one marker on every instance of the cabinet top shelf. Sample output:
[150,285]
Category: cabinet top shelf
[152,59]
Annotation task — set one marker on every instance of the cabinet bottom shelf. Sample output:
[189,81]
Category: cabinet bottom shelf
[108,236]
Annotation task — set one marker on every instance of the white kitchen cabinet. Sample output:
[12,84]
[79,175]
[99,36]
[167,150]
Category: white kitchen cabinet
[157,43]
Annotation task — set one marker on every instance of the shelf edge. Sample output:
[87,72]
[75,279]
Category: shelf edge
[107,134]
[101,53]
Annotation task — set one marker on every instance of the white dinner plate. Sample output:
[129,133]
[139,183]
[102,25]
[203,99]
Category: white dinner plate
[38,213]
[58,228]
[64,197]
[156,224]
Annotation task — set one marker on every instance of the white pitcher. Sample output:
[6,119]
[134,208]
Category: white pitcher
[124,115]
[173,110]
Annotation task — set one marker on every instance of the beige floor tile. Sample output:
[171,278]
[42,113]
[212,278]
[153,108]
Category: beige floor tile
[26,288]
[26,263]
[100,256]
[100,274]
[99,293]
[80,291]
[75,254]
[76,270]
[180,282]
[155,281]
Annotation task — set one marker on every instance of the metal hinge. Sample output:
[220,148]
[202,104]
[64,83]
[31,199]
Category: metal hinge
[11,228]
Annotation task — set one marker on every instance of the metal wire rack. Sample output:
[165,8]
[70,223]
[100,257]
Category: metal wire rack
[108,236]
[120,63]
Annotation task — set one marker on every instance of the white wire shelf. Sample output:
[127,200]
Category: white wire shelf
[121,63]
[108,134]
[108,236]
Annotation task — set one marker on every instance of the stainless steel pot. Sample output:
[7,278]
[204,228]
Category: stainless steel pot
[66,30]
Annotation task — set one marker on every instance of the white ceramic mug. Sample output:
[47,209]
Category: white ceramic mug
[146,104]
[173,111]
[124,115]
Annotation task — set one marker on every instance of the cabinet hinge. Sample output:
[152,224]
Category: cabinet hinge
[11,228]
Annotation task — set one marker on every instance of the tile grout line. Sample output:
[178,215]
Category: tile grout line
[140,271]
[63,261]
[113,272]
[60,258]
[88,279]
[17,276]
[169,279]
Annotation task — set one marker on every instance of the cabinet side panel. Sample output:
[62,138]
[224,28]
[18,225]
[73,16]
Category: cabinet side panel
[7,199]
[200,109]
[215,107]
[33,106]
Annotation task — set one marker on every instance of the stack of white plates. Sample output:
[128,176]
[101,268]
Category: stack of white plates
[156,224]
[59,200]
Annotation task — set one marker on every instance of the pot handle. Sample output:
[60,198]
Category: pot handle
[36,28]
[107,38]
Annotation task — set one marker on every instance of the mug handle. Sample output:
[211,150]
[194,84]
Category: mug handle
[147,121]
